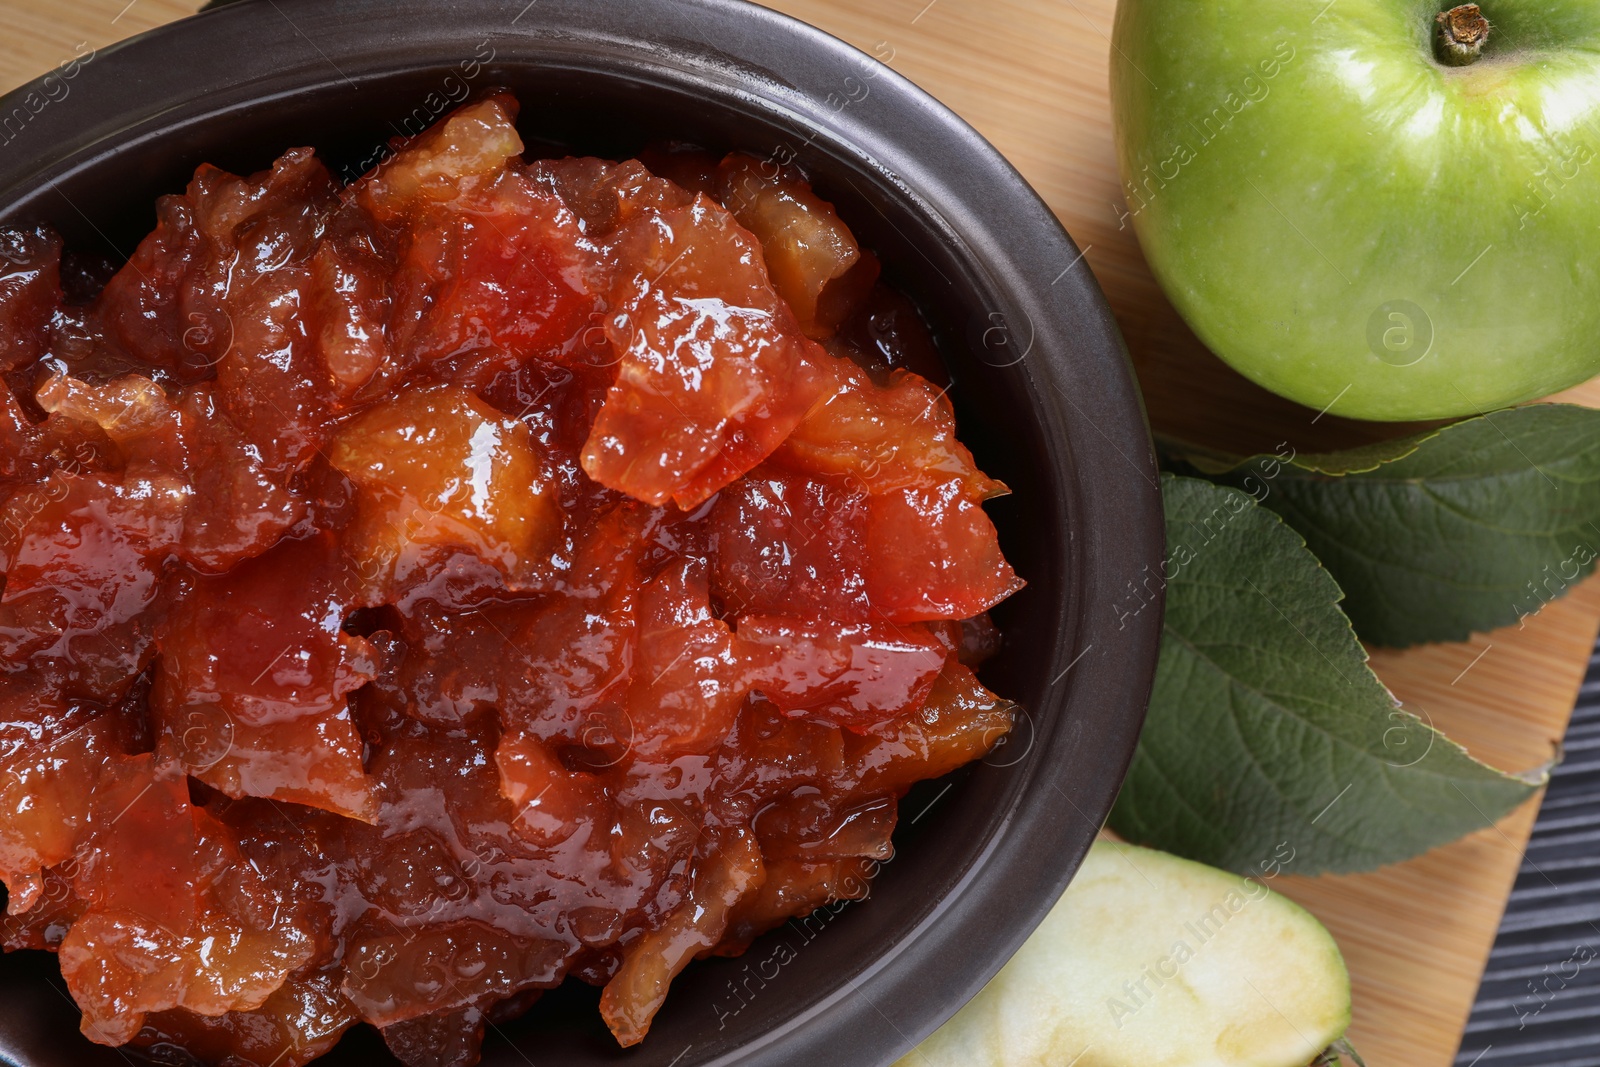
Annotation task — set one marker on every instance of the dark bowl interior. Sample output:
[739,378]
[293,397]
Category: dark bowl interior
[1042,388]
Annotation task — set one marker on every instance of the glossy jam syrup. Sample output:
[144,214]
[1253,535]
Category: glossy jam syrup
[419,592]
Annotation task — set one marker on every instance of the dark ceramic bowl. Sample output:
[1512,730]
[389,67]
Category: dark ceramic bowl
[1043,392]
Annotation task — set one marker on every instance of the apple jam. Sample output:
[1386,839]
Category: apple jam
[421,591]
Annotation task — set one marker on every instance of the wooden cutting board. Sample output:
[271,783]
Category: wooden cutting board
[1031,76]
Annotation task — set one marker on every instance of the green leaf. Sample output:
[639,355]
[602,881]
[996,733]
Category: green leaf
[1465,528]
[1266,725]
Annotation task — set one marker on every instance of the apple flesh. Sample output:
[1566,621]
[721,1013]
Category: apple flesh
[1357,219]
[1149,960]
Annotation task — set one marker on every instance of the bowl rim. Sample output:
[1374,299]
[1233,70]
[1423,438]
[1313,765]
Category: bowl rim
[1089,405]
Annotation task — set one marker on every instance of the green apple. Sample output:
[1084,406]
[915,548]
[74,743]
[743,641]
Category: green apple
[1149,960]
[1358,216]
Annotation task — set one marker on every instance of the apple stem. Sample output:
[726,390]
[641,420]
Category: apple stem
[1462,33]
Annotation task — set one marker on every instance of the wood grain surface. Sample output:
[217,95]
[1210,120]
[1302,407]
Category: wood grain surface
[1031,75]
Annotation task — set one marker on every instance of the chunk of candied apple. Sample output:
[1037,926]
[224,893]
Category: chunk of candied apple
[216,285]
[30,292]
[132,411]
[153,307]
[175,918]
[959,722]
[632,998]
[771,755]
[552,803]
[261,223]
[604,195]
[393,977]
[850,674]
[687,683]
[48,768]
[347,304]
[314,760]
[447,847]
[235,508]
[495,274]
[488,266]
[264,641]
[51,914]
[784,544]
[82,557]
[564,663]
[935,555]
[269,383]
[882,437]
[262,233]
[238,508]
[254,670]
[793,890]
[144,845]
[932,552]
[438,470]
[299,1021]
[813,258]
[809,825]
[30,452]
[452,1038]
[470,145]
[712,372]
